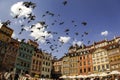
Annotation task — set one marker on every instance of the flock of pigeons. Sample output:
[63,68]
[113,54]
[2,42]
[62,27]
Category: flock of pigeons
[31,17]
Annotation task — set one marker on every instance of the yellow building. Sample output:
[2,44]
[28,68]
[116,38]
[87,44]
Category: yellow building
[36,64]
[73,65]
[57,66]
[100,57]
[100,61]
[57,69]
[65,66]
[46,65]
[114,54]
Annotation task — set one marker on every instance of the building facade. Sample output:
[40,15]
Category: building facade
[81,60]
[36,65]
[8,48]
[100,61]
[65,65]
[114,54]
[85,63]
[5,33]
[46,65]
[11,54]
[24,58]
[57,69]
[3,47]
[101,56]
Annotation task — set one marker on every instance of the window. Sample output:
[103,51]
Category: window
[88,62]
[21,48]
[84,70]
[36,62]
[84,63]
[28,50]
[80,63]
[33,61]
[98,67]
[31,52]
[23,55]
[94,68]
[43,62]
[87,56]
[24,64]
[80,70]
[37,56]
[89,69]
[34,54]
[80,58]
[116,66]
[103,67]
[28,65]
[107,66]
[46,63]
[20,54]
[48,70]
[83,57]
[43,69]
[39,63]
[24,49]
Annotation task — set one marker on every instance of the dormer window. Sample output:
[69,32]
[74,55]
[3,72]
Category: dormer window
[113,46]
[110,47]
[84,52]
[119,42]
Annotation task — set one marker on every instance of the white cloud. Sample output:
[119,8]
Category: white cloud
[64,39]
[104,33]
[39,32]
[20,10]
[19,40]
[1,24]
[21,21]
[79,43]
[13,35]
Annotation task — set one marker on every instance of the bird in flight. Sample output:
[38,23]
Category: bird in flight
[64,2]
[84,23]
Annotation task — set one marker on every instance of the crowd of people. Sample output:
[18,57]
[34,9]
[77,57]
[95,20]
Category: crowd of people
[11,75]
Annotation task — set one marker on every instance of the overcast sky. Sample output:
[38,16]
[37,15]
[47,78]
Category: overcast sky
[102,17]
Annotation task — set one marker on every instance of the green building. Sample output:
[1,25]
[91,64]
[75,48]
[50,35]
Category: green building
[24,58]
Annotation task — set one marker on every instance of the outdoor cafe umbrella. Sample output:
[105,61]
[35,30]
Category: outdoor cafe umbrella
[92,75]
[69,76]
[79,76]
[114,72]
[73,77]
[64,76]
[103,74]
[85,76]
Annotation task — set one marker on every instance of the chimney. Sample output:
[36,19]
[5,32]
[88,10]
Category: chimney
[114,37]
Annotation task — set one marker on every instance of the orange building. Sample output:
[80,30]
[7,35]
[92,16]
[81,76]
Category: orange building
[85,63]
[80,60]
